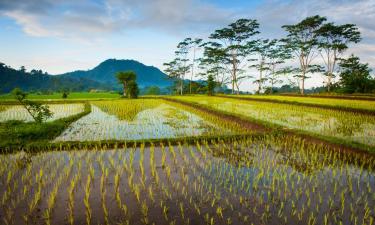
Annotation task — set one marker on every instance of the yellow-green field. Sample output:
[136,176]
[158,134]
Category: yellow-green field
[352,103]
[187,160]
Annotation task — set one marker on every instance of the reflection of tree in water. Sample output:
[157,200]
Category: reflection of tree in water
[23,159]
[347,126]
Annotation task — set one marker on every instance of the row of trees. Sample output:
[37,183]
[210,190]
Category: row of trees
[229,52]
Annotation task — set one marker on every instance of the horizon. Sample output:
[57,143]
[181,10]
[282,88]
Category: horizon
[60,37]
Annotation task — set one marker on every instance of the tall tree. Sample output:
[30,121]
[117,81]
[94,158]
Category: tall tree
[355,76]
[210,85]
[277,55]
[333,41]
[235,41]
[125,77]
[195,44]
[303,40]
[176,69]
[262,48]
[213,63]
[132,91]
[182,52]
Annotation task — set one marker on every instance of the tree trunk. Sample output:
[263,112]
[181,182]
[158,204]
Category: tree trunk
[303,84]
[181,86]
[329,82]
[192,70]
[124,85]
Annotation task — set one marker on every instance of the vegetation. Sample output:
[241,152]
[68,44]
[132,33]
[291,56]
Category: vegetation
[348,127]
[355,76]
[17,134]
[125,78]
[242,180]
[230,50]
[38,111]
[338,103]
[92,95]
[210,85]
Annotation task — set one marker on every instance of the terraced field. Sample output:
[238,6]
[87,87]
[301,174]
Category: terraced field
[188,160]
[346,126]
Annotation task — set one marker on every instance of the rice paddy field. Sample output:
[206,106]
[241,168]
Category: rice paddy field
[335,102]
[191,160]
[17,112]
[347,126]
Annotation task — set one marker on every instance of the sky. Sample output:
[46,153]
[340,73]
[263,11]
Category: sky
[60,36]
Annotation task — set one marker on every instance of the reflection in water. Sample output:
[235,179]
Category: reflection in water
[243,181]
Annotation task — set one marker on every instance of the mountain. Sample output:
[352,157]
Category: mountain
[105,73]
[101,77]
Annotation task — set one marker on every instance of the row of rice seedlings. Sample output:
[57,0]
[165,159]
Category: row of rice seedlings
[351,126]
[3,107]
[244,181]
[127,109]
[348,103]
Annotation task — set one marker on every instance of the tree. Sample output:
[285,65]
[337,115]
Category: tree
[37,111]
[153,90]
[262,48]
[213,63]
[124,78]
[235,41]
[182,60]
[195,45]
[176,69]
[277,55]
[355,76]
[65,93]
[132,91]
[22,69]
[303,41]
[333,41]
[210,85]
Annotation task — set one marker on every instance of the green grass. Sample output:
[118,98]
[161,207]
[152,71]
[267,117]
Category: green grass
[73,95]
[17,135]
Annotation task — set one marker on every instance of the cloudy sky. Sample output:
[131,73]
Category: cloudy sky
[65,35]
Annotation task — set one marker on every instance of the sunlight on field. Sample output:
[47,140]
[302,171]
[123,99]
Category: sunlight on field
[154,121]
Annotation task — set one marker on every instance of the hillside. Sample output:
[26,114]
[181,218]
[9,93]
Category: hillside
[38,81]
[101,77]
[105,71]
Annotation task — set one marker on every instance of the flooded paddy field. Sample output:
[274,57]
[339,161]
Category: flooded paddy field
[267,180]
[18,112]
[348,126]
[139,120]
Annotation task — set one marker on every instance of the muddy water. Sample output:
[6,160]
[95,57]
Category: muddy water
[152,123]
[221,183]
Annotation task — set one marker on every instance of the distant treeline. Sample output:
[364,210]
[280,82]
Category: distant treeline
[37,80]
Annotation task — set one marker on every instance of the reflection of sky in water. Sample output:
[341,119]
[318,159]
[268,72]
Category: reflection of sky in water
[59,111]
[163,121]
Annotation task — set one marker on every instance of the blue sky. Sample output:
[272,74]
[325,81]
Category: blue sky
[64,35]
